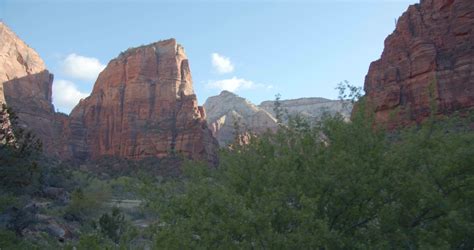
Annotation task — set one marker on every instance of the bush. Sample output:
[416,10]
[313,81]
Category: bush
[88,201]
[113,225]
[19,157]
[334,185]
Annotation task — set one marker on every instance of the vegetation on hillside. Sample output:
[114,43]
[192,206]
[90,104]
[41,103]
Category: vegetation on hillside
[335,185]
[329,185]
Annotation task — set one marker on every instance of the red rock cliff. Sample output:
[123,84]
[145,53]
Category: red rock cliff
[17,59]
[26,87]
[429,57]
[143,105]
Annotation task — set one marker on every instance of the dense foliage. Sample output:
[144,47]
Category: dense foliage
[334,185]
[19,167]
[328,185]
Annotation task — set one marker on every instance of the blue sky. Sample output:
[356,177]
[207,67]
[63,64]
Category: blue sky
[255,48]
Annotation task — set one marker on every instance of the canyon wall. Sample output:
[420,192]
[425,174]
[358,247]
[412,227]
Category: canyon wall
[26,87]
[427,62]
[143,105]
[17,59]
[227,110]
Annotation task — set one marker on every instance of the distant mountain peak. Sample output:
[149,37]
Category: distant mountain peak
[226,108]
[226,92]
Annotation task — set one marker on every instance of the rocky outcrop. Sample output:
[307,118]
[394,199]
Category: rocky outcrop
[312,108]
[143,105]
[228,112]
[26,87]
[16,58]
[428,61]
[30,98]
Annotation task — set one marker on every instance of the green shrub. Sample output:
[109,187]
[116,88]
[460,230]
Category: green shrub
[113,225]
[19,161]
[88,202]
[334,185]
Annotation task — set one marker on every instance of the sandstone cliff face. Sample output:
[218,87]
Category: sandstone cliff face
[16,58]
[143,105]
[312,108]
[224,110]
[428,58]
[30,99]
[25,86]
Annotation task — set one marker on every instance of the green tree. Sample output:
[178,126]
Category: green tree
[19,160]
[113,225]
[278,109]
[332,185]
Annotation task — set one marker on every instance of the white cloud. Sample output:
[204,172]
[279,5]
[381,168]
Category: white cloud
[235,84]
[81,67]
[66,95]
[221,64]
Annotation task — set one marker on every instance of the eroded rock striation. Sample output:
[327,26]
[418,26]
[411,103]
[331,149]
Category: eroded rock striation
[30,97]
[311,108]
[17,59]
[227,112]
[26,87]
[143,105]
[428,59]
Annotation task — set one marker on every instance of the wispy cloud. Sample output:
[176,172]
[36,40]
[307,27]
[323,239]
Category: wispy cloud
[82,67]
[221,64]
[66,95]
[235,84]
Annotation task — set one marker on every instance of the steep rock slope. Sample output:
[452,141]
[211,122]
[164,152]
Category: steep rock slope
[17,59]
[143,105]
[26,87]
[427,60]
[312,108]
[226,110]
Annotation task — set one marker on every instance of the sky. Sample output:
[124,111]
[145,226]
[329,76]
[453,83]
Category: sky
[257,49]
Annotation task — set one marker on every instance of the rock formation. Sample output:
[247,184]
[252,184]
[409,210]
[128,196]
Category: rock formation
[25,86]
[428,59]
[312,108]
[16,58]
[30,99]
[143,105]
[227,110]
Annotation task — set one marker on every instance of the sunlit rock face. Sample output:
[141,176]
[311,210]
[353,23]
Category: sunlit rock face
[311,108]
[427,60]
[143,105]
[229,114]
[26,87]
[17,59]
